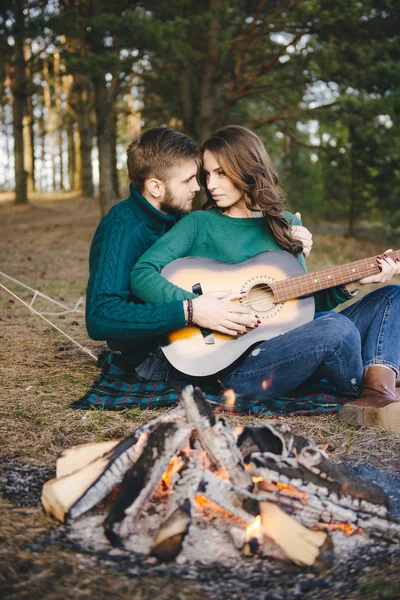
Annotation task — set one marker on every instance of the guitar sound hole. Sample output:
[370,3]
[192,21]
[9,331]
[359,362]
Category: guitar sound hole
[260,298]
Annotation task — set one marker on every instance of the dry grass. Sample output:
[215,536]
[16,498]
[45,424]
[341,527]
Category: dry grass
[46,246]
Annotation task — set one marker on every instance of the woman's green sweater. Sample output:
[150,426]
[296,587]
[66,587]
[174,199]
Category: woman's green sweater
[211,234]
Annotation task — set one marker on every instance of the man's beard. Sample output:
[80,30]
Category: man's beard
[170,206]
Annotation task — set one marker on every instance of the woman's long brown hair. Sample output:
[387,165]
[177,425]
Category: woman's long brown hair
[243,158]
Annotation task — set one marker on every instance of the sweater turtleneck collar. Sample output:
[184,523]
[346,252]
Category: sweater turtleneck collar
[147,213]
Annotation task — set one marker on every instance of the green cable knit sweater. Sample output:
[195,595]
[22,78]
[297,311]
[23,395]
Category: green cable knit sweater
[112,311]
[211,234]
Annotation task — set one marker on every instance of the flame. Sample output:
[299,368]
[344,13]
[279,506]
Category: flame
[173,467]
[254,530]
[347,528]
[266,382]
[302,496]
[282,487]
[229,399]
[212,509]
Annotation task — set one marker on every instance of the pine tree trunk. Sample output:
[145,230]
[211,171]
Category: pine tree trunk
[85,136]
[29,142]
[67,82]
[114,134]
[50,121]
[189,122]
[353,189]
[133,118]
[19,103]
[207,96]
[59,116]
[71,153]
[78,161]
[104,143]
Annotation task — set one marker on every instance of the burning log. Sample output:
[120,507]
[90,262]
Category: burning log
[296,542]
[140,481]
[314,499]
[172,532]
[276,439]
[216,437]
[77,492]
[299,544]
[235,500]
[311,471]
[168,542]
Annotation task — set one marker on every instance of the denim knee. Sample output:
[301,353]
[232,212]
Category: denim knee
[337,329]
[392,291]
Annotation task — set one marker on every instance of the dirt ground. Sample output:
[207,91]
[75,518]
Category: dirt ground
[45,245]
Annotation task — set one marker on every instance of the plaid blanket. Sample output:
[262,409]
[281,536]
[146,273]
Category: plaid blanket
[118,387]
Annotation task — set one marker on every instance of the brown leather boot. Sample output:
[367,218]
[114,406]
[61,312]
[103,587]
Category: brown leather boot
[379,402]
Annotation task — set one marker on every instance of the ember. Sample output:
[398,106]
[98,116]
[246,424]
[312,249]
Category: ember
[188,480]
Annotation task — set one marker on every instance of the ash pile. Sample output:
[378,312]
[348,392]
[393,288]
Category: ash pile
[188,487]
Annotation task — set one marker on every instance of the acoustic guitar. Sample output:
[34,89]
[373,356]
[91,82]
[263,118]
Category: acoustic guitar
[276,289]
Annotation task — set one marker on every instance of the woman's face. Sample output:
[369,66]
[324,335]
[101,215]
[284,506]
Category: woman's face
[224,193]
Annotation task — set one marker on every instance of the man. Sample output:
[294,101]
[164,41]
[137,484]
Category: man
[162,166]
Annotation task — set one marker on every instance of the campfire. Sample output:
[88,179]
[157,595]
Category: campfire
[188,481]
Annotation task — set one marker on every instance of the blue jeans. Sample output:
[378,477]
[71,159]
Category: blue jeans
[336,347]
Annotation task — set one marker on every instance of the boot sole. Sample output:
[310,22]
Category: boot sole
[387,417]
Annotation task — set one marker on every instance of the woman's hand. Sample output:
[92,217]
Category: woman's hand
[389,268]
[214,310]
[304,236]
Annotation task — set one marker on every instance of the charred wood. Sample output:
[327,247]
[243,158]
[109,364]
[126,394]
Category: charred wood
[216,437]
[234,500]
[140,481]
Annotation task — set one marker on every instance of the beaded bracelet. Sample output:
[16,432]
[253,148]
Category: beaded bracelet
[343,289]
[189,321]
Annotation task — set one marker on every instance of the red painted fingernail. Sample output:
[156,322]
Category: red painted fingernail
[385,256]
[242,292]
[397,259]
[255,324]
[257,317]
[379,257]
[258,321]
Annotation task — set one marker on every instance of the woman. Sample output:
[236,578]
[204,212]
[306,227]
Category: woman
[357,350]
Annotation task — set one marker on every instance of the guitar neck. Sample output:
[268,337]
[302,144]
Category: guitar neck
[305,285]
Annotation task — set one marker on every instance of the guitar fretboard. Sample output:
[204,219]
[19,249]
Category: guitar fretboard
[304,285]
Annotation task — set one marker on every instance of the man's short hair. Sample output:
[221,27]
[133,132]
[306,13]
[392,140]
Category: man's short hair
[155,151]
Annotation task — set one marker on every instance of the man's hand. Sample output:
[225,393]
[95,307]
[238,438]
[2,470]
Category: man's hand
[303,235]
[214,310]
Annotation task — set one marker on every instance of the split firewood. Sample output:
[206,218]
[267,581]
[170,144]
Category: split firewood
[140,481]
[170,536]
[74,494]
[216,437]
[314,500]
[301,545]
[316,462]
[78,457]
[236,501]
[312,468]
[276,439]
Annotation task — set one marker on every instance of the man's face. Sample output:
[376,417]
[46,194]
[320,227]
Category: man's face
[180,189]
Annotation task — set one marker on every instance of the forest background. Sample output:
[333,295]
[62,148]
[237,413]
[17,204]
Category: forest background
[319,81]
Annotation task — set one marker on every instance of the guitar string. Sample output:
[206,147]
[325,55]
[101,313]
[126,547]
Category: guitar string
[327,275]
[323,277]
